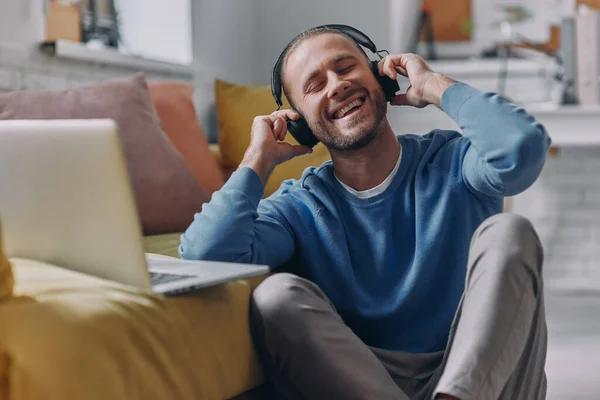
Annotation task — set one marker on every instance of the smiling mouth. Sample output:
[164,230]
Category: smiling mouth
[350,108]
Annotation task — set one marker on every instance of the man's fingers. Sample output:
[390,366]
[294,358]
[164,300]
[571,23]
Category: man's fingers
[282,128]
[278,121]
[383,66]
[380,66]
[277,128]
[291,151]
[393,64]
[401,70]
[261,122]
[289,114]
[299,150]
[389,68]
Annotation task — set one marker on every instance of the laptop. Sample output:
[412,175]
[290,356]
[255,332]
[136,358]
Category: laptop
[66,199]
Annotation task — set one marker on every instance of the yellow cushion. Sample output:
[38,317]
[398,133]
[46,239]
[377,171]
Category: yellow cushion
[66,335]
[237,105]
[6,274]
[166,244]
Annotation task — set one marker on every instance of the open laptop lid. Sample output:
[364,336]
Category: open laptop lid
[66,199]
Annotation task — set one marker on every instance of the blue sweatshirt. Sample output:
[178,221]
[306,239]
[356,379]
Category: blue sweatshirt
[394,265]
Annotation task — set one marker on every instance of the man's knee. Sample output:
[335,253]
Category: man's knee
[277,298]
[510,228]
[509,225]
[513,239]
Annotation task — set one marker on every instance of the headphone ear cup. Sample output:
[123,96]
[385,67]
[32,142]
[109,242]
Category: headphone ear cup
[390,86]
[301,132]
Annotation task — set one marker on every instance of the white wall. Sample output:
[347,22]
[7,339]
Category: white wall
[224,40]
[404,24]
[21,21]
[279,21]
[157,29]
[224,47]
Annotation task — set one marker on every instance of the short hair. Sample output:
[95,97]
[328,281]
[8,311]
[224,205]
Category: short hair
[298,40]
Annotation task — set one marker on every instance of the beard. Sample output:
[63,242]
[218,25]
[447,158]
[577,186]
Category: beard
[367,127]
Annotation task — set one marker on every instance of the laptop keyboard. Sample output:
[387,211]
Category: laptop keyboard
[159,277]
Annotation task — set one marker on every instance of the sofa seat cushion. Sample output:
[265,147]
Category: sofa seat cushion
[166,245]
[67,335]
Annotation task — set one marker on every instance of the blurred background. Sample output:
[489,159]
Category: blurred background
[541,54]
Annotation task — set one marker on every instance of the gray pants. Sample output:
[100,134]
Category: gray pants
[496,349]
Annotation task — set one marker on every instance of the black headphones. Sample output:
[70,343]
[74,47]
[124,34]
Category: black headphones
[299,128]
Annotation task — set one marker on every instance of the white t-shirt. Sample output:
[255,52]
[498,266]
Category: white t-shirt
[365,194]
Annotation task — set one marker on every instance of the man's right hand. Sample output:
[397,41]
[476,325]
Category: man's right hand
[266,149]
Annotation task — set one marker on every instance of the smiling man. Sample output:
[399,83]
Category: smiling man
[399,275]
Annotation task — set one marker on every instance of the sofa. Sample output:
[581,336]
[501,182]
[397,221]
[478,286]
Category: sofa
[68,335]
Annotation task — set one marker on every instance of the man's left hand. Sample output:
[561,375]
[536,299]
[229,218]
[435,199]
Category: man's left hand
[426,86]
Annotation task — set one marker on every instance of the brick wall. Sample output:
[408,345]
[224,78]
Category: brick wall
[564,206]
[27,68]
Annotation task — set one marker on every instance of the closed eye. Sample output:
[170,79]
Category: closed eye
[347,69]
[314,88]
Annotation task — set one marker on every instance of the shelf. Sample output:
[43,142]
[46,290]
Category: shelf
[568,126]
[80,52]
[484,67]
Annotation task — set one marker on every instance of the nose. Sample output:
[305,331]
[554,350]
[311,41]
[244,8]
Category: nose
[338,88]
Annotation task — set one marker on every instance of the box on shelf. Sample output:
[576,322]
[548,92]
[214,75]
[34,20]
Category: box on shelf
[63,22]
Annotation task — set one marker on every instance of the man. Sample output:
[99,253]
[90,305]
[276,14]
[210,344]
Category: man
[408,282]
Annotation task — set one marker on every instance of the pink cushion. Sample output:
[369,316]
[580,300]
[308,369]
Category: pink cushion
[166,191]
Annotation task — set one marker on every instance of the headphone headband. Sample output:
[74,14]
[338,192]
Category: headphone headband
[358,36]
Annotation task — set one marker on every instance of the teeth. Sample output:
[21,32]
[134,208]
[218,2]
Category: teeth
[343,111]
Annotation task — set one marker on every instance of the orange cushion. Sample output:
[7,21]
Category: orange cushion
[174,104]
